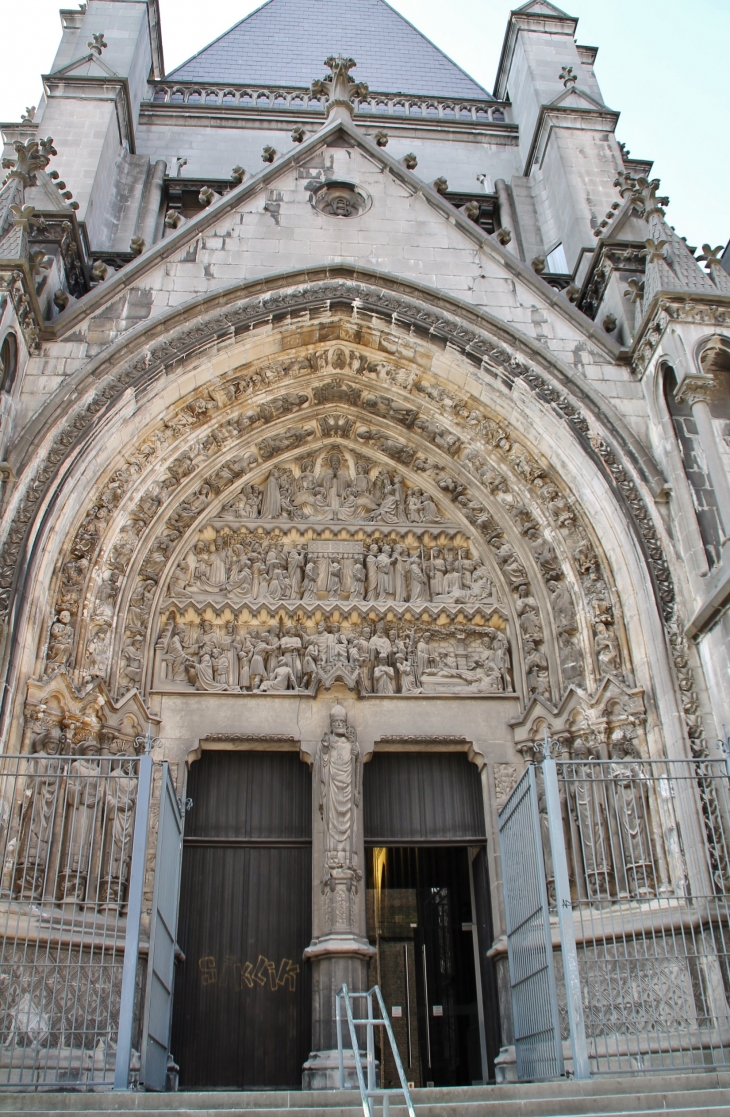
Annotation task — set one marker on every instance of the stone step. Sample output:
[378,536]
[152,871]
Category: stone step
[664,1104]
[676,1094]
[694,1094]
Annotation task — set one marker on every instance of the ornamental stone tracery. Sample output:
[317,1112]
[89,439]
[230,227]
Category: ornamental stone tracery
[334,487]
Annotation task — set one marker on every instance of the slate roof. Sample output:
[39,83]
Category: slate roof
[285,42]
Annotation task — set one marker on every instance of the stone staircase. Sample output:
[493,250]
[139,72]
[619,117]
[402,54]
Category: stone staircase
[705,1094]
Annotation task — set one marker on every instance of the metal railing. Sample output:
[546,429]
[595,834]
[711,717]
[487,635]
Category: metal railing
[67,829]
[637,876]
[371,1091]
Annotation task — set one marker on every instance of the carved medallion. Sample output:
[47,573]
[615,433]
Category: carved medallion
[340,199]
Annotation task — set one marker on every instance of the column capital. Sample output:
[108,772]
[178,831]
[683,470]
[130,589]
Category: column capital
[695,388]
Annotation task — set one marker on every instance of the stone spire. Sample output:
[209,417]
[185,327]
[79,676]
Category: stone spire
[670,266]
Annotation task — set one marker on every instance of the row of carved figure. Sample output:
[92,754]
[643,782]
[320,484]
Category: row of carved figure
[70,832]
[258,569]
[609,824]
[330,492]
[292,657]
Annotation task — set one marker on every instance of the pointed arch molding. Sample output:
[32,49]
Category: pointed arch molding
[142,363]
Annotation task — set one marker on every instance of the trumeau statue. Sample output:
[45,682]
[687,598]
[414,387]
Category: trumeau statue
[339,774]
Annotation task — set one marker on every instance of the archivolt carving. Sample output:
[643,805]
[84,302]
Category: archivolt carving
[145,546]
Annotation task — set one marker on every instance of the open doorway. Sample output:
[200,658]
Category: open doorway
[428,916]
[421,923]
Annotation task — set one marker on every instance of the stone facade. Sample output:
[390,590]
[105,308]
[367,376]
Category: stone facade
[291,420]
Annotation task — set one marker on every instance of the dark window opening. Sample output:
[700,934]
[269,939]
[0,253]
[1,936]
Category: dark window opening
[9,360]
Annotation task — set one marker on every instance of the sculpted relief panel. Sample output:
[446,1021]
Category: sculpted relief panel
[398,658]
[376,494]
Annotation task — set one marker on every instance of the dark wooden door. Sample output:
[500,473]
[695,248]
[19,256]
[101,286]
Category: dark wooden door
[242,1015]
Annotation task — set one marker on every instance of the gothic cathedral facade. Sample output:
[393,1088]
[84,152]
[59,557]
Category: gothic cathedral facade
[359,428]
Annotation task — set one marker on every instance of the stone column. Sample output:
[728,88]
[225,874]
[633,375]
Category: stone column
[696,390]
[339,951]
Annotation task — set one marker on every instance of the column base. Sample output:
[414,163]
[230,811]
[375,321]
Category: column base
[322,1071]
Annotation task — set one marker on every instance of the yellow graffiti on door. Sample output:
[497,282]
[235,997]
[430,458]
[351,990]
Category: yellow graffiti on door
[242,975]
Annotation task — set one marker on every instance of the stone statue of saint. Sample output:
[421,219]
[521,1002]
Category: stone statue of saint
[39,812]
[121,800]
[83,792]
[339,768]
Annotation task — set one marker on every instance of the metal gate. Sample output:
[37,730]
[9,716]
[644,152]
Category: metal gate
[633,857]
[163,929]
[72,830]
[538,1045]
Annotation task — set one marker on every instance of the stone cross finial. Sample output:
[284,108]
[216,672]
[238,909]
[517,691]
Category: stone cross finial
[645,199]
[635,290]
[654,250]
[339,88]
[25,217]
[711,256]
[97,43]
[713,262]
[32,156]
[567,76]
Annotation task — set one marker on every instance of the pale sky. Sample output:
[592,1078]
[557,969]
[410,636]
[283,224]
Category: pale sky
[664,64]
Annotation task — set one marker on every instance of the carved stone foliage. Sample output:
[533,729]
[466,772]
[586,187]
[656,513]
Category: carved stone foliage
[364,530]
[293,653]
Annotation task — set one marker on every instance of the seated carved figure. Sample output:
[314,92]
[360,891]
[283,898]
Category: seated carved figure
[282,678]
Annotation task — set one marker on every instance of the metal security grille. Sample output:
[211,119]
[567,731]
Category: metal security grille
[636,857]
[66,834]
[648,858]
[529,941]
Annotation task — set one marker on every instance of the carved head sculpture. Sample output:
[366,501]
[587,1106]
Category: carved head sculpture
[622,746]
[50,742]
[338,720]
[86,748]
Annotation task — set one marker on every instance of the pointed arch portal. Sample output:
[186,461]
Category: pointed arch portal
[338,489]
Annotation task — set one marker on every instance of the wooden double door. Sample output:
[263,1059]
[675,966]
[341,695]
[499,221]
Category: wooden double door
[242,1010]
